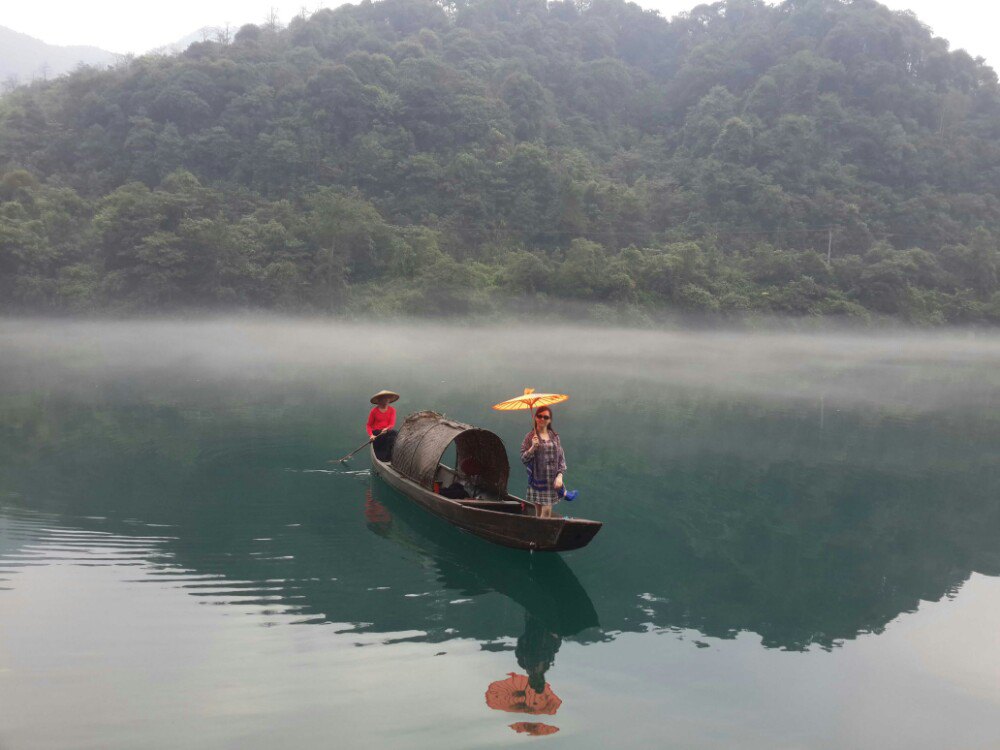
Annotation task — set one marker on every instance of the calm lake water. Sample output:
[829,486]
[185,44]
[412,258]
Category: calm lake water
[801,545]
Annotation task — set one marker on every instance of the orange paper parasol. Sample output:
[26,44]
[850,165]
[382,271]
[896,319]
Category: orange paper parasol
[530,400]
[515,695]
[534,728]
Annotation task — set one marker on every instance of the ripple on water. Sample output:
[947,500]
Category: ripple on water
[29,539]
[39,539]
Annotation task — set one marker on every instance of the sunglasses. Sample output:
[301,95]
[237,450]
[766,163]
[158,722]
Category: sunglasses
[546,417]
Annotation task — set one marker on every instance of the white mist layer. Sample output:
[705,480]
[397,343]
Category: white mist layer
[916,370]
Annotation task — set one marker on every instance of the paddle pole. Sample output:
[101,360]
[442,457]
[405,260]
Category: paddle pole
[345,459]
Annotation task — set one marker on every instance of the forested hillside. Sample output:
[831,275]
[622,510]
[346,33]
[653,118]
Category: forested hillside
[818,157]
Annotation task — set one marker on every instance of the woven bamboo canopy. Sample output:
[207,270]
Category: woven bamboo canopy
[424,437]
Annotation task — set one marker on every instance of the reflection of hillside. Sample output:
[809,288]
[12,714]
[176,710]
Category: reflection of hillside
[804,534]
[728,519]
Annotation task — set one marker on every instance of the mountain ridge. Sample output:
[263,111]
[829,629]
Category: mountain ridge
[24,57]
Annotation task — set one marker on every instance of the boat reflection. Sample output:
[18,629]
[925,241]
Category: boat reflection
[545,587]
[555,604]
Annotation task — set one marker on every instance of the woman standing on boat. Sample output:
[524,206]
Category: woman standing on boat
[543,457]
[381,420]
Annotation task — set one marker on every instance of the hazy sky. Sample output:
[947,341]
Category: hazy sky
[129,26]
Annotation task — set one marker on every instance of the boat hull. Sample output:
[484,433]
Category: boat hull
[510,529]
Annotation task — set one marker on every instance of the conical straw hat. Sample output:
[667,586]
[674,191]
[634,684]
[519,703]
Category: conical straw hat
[393,396]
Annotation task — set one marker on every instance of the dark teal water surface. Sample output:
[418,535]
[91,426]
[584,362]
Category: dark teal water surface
[800,546]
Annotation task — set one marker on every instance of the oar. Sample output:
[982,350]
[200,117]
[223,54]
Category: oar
[345,459]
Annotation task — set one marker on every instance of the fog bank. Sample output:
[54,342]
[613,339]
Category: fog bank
[917,370]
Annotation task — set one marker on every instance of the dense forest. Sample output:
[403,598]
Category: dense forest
[813,158]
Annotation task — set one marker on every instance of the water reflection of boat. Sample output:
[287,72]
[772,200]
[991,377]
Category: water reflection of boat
[493,514]
[544,586]
[555,603]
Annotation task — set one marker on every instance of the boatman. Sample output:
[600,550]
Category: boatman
[381,421]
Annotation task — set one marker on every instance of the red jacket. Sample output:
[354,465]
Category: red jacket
[381,420]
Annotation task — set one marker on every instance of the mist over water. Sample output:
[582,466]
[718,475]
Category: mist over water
[921,370]
[799,543]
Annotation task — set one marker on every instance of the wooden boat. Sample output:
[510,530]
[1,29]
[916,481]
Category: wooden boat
[416,470]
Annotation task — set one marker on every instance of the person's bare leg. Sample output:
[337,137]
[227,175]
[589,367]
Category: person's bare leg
[546,511]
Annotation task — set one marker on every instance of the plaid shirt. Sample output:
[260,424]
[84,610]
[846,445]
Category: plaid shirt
[543,464]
